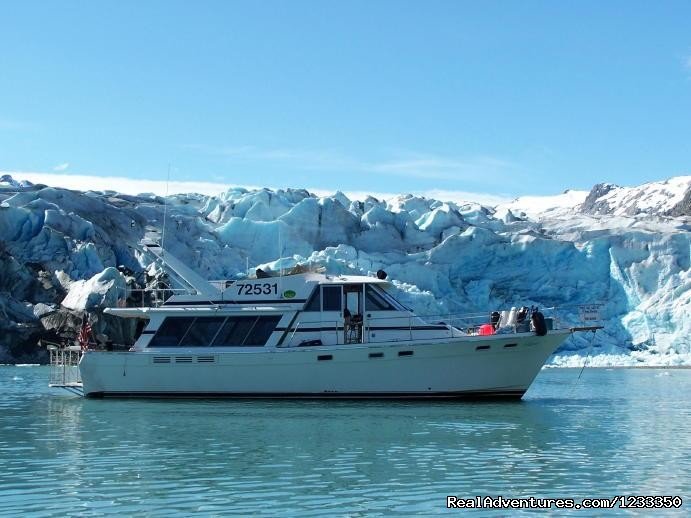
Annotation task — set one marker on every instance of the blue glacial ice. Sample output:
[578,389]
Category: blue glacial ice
[627,248]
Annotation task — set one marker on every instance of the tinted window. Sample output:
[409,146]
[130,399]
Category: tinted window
[202,331]
[234,331]
[332,298]
[315,302]
[262,330]
[375,302]
[171,331]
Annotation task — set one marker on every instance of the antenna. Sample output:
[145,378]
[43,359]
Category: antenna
[280,251]
[280,259]
[165,210]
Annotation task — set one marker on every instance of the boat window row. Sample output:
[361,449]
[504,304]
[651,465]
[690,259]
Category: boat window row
[329,298]
[240,331]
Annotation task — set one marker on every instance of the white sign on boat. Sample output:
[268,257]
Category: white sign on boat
[589,312]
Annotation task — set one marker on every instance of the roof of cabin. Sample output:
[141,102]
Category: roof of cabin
[289,292]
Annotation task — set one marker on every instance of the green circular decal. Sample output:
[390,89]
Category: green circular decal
[289,294]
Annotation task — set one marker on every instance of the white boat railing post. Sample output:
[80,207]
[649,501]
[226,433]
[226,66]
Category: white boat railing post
[410,327]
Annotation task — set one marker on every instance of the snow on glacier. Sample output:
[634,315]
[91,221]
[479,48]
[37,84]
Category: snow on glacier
[443,257]
[538,206]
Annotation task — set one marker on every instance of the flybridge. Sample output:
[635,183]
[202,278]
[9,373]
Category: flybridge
[180,272]
[267,290]
[287,289]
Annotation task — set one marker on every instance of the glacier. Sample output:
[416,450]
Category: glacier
[66,252]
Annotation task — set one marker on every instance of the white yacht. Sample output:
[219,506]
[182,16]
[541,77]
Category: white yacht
[315,336]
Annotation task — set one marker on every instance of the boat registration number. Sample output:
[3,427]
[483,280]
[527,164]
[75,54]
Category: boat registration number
[263,288]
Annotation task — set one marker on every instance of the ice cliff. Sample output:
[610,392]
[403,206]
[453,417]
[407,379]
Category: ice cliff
[64,252]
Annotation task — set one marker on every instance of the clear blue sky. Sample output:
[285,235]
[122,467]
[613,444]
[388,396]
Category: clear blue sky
[511,97]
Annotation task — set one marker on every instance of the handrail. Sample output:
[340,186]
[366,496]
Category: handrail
[466,316]
[470,322]
[295,330]
[321,323]
[159,294]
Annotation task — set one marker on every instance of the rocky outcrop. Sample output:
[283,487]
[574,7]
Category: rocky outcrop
[666,198]
[594,204]
[683,208]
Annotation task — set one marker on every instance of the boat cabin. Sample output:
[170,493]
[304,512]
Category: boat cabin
[302,310]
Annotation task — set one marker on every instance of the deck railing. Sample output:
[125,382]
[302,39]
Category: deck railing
[64,367]
[455,324]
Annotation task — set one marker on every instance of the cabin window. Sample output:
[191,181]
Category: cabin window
[246,331]
[262,330]
[234,331]
[332,298]
[202,331]
[171,331]
[225,332]
[315,303]
[375,302]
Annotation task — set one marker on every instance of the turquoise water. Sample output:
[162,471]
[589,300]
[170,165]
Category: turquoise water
[622,431]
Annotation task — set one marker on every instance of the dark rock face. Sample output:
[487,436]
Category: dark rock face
[25,290]
[47,230]
[636,202]
[683,208]
[18,327]
[593,204]
[63,325]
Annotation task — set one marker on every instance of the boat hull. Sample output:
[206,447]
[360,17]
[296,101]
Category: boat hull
[500,366]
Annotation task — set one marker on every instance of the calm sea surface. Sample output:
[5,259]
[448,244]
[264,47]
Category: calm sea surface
[613,432]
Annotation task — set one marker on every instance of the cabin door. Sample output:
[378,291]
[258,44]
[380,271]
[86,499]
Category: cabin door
[332,315]
[353,312]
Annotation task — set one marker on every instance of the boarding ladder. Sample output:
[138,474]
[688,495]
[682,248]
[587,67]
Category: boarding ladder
[64,367]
